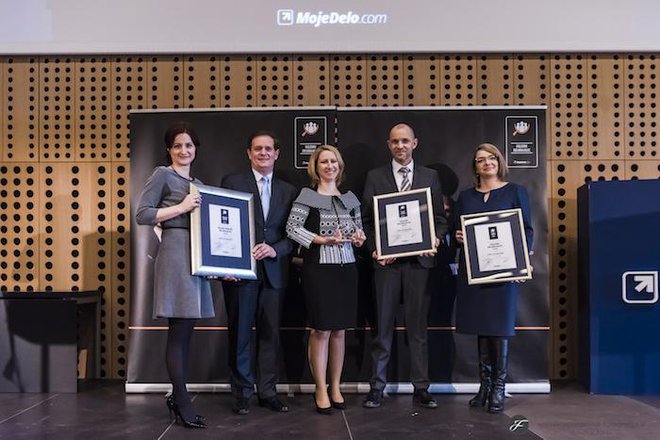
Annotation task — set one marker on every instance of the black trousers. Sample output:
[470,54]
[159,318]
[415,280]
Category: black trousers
[409,279]
[253,303]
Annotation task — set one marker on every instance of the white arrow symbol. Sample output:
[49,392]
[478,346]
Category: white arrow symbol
[644,282]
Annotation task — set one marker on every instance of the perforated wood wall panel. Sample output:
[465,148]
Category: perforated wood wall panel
[56,108]
[640,106]
[384,81]
[129,92]
[201,82]
[274,81]
[311,79]
[421,80]
[20,107]
[19,225]
[348,81]
[64,156]
[238,81]
[531,79]
[116,299]
[494,80]
[93,89]
[165,82]
[459,80]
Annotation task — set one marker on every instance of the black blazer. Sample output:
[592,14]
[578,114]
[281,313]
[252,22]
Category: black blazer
[273,230]
[381,181]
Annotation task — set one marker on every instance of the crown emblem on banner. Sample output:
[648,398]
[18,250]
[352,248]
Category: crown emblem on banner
[310,128]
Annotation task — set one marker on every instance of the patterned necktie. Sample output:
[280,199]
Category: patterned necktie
[265,196]
[405,183]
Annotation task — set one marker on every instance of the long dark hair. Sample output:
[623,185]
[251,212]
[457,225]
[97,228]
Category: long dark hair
[173,131]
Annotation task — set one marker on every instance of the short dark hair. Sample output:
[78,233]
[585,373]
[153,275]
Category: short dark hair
[176,129]
[273,136]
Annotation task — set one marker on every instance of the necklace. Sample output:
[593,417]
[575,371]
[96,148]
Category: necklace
[189,179]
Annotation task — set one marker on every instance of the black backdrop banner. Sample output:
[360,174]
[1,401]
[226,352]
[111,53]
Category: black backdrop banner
[447,138]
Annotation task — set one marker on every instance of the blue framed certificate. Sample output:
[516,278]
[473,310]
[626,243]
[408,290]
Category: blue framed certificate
[404,223]
[222,233]
[495,247]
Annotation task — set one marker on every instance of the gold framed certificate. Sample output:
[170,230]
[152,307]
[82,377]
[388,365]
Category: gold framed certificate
[222,233]
[495,247]
[404,223]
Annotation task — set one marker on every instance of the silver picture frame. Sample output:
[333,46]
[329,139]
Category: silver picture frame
[222,233]
[495,247]
[404,223]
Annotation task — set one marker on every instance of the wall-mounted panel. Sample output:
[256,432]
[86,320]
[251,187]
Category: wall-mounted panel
[274,81]
[129,92]
[569,107]
[57,111]
[458,81]
[640,98]
[238,82]
[311,80]
[495,80]
[384,81]
[201,82]
[348,81]
[65,145]
[421,80]
[93,87]
[20,108]
[20,217]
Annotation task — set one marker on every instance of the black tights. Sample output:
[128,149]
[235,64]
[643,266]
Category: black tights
[176,358]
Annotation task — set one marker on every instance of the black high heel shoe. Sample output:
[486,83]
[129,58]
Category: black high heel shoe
[170,403]
[336,405]
[173,408]
[325,411]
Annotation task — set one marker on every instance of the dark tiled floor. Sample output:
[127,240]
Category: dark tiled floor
[102,410]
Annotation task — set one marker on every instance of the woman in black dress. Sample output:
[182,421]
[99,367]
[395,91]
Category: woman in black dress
[327,224]
[178,296]
[489,310]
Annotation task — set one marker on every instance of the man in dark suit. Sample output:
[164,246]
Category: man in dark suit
[258,301]
[405,277]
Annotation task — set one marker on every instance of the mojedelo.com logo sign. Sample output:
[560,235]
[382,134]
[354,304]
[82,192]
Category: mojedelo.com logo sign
[639,287]
[289,17]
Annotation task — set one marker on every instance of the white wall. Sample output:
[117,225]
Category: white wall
[247,26]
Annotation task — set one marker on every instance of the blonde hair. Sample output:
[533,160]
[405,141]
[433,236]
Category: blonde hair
[311,166]
[502,169]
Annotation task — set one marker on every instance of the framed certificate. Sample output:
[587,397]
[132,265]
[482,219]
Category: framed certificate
[404,223]
[222,233]
[495,247]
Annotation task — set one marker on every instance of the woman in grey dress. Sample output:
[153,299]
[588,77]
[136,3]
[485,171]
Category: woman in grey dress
[178,296]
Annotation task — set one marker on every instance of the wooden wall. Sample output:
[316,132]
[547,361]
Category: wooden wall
[64,156]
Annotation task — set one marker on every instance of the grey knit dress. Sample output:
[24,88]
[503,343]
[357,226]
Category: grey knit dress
[177,294]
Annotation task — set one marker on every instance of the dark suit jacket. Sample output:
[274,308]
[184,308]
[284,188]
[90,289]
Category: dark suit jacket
[272,231]
[381,181]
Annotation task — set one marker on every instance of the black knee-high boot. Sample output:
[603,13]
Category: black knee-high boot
[500,352]
[485,373]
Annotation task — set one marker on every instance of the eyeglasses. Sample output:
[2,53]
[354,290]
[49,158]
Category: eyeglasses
[482,160]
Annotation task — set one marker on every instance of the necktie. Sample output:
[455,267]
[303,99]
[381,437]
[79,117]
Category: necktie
[405,183]
[265,196]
